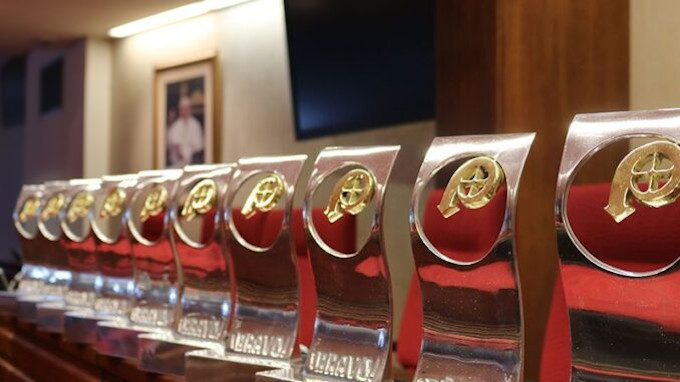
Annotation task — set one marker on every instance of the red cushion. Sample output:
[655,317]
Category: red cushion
[411,331]
[262,230]
[81,255]
[556,356]
[457,238]
[641,242]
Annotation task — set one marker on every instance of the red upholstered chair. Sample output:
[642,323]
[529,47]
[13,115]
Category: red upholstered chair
[626,245]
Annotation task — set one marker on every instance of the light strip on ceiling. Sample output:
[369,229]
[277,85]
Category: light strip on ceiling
[171,16]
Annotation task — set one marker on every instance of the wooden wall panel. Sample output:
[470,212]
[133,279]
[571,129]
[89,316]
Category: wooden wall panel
[546,61]
[466,67]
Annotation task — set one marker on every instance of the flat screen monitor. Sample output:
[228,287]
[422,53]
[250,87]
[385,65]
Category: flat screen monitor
[358,64]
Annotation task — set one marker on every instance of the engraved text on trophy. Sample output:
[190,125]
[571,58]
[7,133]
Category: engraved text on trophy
[259,344]
[345,366]
[201,327]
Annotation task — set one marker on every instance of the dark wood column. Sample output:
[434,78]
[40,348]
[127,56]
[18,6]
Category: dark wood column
[530,65]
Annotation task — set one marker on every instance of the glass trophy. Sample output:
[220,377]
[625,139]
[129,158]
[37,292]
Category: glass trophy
[205,305]
[353,330]
[31,279]
[258,238]
[618,245]
[463,242]
[157,284]
[113,261]
[78,241]
[49,236]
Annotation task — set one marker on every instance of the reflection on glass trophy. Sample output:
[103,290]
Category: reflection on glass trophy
[78,241]
[353,330]
[31,279]
[264,330]
[112,260]
[623,308]
[472,320]
[49,234]
[157,287]
[205,305]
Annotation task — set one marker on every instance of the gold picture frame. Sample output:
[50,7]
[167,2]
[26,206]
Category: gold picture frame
[186,113]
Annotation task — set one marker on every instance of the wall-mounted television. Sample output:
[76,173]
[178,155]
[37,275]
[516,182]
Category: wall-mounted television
[358,64]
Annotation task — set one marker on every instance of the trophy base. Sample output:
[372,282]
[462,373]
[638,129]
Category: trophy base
[80,326]
[163,353]
[209,365]
[119,338]
[50,316]
[8,303]
[27,306]
[294,373]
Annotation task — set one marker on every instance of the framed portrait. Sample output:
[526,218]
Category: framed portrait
[186,123]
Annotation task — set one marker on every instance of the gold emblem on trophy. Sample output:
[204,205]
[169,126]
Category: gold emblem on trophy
[351,194]
[264,196]
[113,204]
[154,203]
[29,209]
[472,185]
[201,199]
[52,207]
[650,174]
[80,206]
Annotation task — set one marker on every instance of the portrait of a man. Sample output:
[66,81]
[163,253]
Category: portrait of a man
[185,143]
[184,124]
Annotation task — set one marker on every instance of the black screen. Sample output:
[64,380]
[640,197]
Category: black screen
[13,91]
[51,86]
[358,64]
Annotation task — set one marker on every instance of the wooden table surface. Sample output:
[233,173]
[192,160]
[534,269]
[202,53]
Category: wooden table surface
[28,354]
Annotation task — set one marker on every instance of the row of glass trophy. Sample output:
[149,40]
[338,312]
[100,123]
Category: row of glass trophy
[196,272]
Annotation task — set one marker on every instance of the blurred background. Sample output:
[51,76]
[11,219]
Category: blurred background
[84,92]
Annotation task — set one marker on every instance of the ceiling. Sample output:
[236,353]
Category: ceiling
[26,23]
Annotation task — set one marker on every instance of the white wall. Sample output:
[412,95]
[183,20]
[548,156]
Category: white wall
[655,54]
[97,110]
[134,63]
[53,144]
[256,106]
[44,147]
